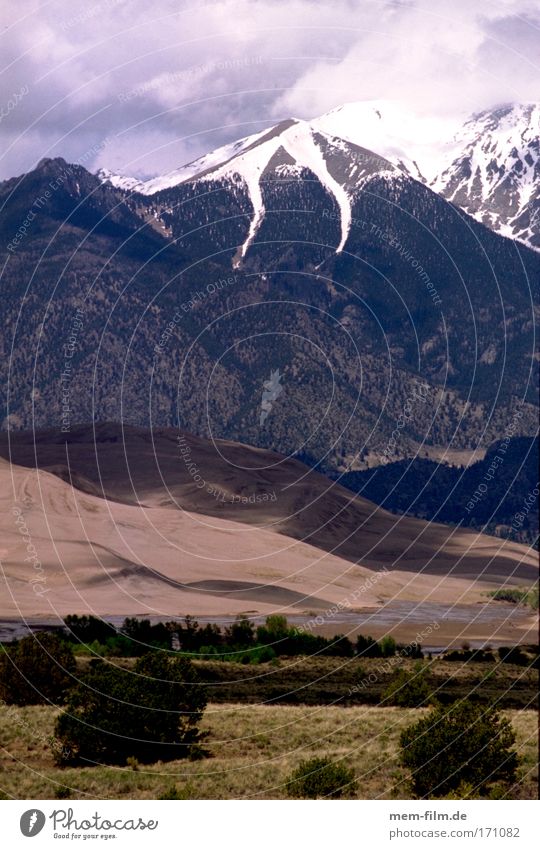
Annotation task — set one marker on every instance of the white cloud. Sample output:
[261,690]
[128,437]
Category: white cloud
[207,73]
[436,57]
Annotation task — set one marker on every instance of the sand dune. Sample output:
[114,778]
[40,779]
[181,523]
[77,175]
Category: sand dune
[119,524]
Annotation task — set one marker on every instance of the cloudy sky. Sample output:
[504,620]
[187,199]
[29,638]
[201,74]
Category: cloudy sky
[142,88]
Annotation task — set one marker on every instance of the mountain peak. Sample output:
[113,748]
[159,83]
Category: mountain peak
[289,150]
[493,170]
[487,163]
[51,164]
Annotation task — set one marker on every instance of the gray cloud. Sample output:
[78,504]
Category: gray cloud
[142,89]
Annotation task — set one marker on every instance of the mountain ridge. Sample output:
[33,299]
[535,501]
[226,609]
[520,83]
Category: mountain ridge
[489,165]
[352,333]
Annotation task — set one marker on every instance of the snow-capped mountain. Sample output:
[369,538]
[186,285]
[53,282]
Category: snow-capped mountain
[495,176]
[194,169]
[419,291]
[128,184]
[487,164]
[293,149]
[414,143]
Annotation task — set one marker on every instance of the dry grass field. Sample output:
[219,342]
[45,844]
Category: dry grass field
[252,751]
[347,682]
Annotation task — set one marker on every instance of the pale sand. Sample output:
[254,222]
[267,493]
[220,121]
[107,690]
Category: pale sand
[314,546]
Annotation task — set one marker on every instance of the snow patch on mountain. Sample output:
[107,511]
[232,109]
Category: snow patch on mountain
[414,143]
[128,184]
[300,144]
[488,165]
[495,174]
[299,141]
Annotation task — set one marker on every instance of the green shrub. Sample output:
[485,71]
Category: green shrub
[93,649]
[150,713]
[143,635]
[466,655]
[516,595]
[367,647]
[339,646]
[388,646]
[262,654]
[174,793]
[36,670]
[320,778]
[275,628]
[62,793]
[464,744]
[241,633]
[465,790]
[88,629]
[409,689]
[411,650]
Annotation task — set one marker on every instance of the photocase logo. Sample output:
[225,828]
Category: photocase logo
[32,822]
[272,390]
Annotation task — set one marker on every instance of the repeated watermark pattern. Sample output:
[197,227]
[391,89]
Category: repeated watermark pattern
[39,578]
[217,493]
[409,257]
[93,11]
[384,236]
[185,307]
[496,462]
[65,173]
[345,604]
[420,395]
[70,347]
[169,78]
[14,713]
[13,102]
[528,503]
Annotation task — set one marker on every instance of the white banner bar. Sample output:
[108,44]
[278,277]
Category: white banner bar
[267,825]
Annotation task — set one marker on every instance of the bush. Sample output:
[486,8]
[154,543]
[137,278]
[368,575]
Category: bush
[367,647]
[150,713]
[339,646]
[62,793]
[96,637]
[514,655]
[466,655]
[241,633]
[461,744]
[515,595]
[388,646]
[88,629]
[320,778]
[143,635]
[275,628]
[36,670]
[262,654]
[409,689]
[412,650]
[174,793]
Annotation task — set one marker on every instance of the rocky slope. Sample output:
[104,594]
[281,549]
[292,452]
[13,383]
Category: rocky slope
[487,164]
[393,321]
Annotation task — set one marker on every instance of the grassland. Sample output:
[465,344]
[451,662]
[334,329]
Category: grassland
[252,750]
[348,682]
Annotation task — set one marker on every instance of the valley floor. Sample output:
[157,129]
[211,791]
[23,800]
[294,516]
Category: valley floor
[252,749]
